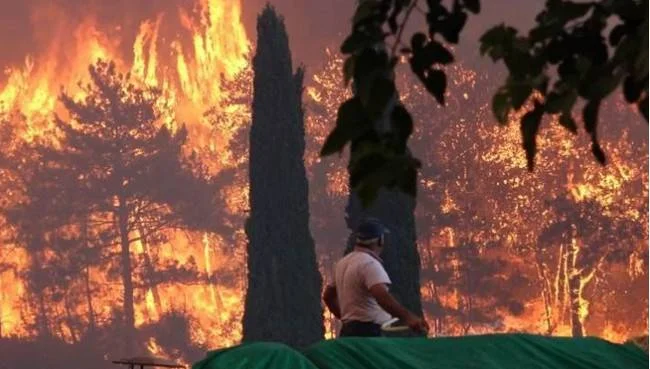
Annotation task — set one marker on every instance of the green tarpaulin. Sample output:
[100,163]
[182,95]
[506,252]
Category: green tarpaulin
[259,355]
[499,351]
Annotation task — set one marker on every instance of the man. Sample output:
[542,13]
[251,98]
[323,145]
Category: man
[359,294]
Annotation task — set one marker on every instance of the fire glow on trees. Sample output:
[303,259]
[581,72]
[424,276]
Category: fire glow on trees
[476,195]
[205,79]
[187,70]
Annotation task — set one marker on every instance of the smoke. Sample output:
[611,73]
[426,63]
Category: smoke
[26,26]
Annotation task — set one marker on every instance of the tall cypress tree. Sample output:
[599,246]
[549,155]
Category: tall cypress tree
[401,258]
[284,284]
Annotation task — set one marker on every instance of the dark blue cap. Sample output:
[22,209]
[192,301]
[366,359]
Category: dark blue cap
[370,230]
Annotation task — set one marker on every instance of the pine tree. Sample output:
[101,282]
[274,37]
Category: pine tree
[117,170]
[284,284]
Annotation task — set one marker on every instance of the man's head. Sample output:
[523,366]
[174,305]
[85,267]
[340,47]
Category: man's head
[370,234]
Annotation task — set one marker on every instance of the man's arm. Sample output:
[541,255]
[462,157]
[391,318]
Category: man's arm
[388,302]
[332,301]
[393,307]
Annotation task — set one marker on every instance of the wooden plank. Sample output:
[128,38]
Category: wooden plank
[143,361]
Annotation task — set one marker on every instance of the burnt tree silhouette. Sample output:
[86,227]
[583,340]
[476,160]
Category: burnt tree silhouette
[116,170]
[472,272]
[284,285]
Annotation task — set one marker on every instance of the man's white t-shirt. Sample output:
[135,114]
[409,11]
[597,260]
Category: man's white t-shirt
[354,274]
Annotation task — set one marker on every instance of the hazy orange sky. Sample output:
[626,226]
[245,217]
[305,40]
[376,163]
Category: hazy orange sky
[312,24]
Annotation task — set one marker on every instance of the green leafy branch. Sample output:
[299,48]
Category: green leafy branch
[566,56]
[374,122]
[569,45]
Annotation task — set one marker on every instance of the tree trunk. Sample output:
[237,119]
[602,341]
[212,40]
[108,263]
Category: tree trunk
[215,295]
[150,270]
[437,316]
[577,329]
[546,295]
[89,297]
[562,294]
[469,306]
[89,301]
[70,321]
[127,278]
[1,311]
[42,320]
[575,298]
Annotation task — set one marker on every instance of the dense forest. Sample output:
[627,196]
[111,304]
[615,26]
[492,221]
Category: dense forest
[126,214]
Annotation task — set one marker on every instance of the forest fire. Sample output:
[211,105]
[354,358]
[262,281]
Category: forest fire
[187,70]
[546,243]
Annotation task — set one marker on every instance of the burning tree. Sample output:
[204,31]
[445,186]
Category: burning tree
[114,177]
[585,238]
[279,306]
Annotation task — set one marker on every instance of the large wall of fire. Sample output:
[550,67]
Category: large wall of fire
[474,173]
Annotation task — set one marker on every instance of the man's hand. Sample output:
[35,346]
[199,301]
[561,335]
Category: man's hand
[417,324]
[388,303]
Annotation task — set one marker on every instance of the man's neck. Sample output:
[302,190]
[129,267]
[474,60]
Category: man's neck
[371,252]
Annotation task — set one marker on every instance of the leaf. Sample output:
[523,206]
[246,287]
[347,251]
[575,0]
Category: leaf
[544,32]
[597,51]
[598,152]
[363,163]
[567,121]
[501,105]
[349,124]
[557,102]
[568,68]
[367,193]
[453,25]
[418,40]
[366,9]
[335,142]
[436,53]
[557,49]
[354,42]
[519,63]
[570,10]
[370,65]
[529,127]
[497,40]
[359,40]
[382,169]
[590,115]
[602,86]
[519,92]
[436,83]
[631,89]
[643,107]
[392,18]
[473,6]
[368,173]
[348,69]
[625,51]
[540,83]
[641,62]
[617,34]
